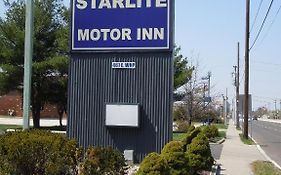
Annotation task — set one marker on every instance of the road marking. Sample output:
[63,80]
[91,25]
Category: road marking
[264,154]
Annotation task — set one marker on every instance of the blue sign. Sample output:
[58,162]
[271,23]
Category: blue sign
[120,24]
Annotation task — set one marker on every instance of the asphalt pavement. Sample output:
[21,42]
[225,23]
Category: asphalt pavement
[268,137]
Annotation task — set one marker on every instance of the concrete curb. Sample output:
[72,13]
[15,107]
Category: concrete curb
[53,131]
[264,154]
[218,142]
[221,141]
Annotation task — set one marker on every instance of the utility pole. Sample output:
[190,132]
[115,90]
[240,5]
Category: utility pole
[225,104]
[209,84]
[237,85]
[236,99]
[246,100]
[279,110]
[223,108]
[28,52]
[275,108]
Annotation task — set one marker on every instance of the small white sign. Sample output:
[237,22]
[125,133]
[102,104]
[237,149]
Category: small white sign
[123,65]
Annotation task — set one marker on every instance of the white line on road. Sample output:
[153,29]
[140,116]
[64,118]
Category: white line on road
[265,155]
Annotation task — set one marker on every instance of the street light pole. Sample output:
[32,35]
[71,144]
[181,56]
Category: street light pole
[28,52]
[246,103]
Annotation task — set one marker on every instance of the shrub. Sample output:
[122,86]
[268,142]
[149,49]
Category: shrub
[199,154]
[214,131]
[190,136]
[174,154]
[100,161]
[190,129]
[210,131]
[37,152]
[153,164]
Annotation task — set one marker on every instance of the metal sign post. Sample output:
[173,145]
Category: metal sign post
[28,52]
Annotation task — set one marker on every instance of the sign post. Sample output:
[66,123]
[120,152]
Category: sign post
[28,52]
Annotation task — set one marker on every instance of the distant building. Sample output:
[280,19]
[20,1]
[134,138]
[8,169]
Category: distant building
[11,104]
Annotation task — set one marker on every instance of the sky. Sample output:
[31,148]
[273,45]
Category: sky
[208,33]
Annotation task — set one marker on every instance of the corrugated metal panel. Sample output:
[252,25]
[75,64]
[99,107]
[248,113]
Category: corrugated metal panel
[93,83]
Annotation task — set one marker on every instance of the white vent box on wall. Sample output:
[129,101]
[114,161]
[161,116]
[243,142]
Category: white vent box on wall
[122,115]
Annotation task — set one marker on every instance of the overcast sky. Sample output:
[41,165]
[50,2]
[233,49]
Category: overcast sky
[208,32]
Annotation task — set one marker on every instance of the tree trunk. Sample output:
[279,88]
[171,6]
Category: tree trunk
[61,110]
[190,109]
[36,115]
[60,117]
[36,106]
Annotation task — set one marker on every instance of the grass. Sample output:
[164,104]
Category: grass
[264,168]
[248,141]
[52,128]
[221,126]
[222,134]
[178,136]
[4,127]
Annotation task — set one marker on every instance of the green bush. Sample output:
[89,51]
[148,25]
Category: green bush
[199,154]
[210,131]
[100,161]
[37,152]
[190,129]
[190,136]
[153,164]
[214,131]
[174,154]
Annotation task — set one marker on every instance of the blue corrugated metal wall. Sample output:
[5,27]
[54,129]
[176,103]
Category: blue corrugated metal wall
[93,83]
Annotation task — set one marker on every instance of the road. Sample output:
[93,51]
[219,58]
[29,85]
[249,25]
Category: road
[268,136]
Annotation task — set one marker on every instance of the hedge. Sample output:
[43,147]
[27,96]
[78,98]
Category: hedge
[37,152]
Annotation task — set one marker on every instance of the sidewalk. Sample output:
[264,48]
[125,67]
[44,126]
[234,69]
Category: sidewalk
[236,157]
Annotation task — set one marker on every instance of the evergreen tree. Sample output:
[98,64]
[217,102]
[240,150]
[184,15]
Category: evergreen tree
[50,49]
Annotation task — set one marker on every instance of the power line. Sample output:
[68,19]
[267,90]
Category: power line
[266,71]
[265,98]
[256,16]
[262,25]
[271,24]
[267,63]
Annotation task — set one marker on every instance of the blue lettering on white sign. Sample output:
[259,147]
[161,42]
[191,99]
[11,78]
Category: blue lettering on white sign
[120,24]
[123,65]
